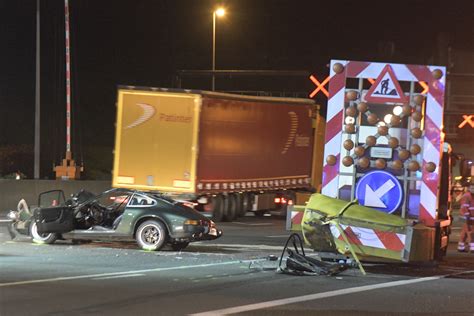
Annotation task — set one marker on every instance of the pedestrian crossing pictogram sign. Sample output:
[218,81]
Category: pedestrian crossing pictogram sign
[386,89]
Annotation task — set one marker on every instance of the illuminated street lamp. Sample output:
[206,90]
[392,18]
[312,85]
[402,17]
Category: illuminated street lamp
[218,12]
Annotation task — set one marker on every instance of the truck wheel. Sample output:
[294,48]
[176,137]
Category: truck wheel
[247,201]
[217,208]
[240,205]
[231,208]
[41,238]
[151,235]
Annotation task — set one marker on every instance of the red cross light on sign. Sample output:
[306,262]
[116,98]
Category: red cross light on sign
[468,119]
[319,86]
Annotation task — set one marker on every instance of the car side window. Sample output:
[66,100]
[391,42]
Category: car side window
[139,200]
[113,199]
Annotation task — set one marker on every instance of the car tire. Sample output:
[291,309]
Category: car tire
[177,246]
[38,238]
[260,213]
[151,235]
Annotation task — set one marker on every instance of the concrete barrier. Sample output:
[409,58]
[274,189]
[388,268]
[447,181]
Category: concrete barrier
[11,191]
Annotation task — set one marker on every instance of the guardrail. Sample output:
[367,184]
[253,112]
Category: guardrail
[12,191]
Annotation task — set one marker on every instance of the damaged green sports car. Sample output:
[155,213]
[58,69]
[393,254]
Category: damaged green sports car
[151,219]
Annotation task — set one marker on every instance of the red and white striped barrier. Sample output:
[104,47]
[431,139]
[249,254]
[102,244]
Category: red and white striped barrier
[370,237]
[433,123]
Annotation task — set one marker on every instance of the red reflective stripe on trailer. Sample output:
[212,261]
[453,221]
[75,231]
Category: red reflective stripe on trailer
[423,73]
[333,126]
[338,82]
[426,217]
[297,219]
[432,132]
[351,237]
[330,172]
[390,240]
[354,68]
[430,179]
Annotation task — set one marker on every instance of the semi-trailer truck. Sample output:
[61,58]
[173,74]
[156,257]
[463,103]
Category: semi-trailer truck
[226,153]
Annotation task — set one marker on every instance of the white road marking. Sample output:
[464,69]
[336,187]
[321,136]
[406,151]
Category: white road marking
[311,297]
[259,247]
[256,224]
[120,276]
[91,276]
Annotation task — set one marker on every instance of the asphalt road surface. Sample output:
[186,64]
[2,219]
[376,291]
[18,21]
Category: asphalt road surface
[230,275]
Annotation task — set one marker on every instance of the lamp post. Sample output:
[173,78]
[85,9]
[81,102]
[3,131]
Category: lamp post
[37,96]
[219,12]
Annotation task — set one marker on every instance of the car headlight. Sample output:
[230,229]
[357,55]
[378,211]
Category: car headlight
[13,215]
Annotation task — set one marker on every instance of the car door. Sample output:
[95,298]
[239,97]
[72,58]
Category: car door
[52,214]
[56,219]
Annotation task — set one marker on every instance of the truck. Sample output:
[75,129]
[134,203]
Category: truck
[227,154]
[387,168]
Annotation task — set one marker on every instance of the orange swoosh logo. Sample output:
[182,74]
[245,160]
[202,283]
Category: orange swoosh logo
[292,134]
[148,112]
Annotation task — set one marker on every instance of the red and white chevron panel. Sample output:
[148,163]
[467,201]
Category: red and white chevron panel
[296,217]
[432,144]
[370,237]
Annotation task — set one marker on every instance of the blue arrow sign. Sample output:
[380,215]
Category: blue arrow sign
[380,190]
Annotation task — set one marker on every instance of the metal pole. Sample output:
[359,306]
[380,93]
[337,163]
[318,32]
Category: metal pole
[37,96]
[213,49]
[68,81]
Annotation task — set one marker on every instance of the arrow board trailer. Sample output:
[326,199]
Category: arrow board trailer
[227,154]
[384,147]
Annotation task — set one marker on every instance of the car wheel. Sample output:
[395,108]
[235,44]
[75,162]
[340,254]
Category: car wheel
[177,246]
[260,213]
[151,235]
[41,238]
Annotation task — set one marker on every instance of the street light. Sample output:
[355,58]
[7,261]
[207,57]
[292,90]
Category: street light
[218,12]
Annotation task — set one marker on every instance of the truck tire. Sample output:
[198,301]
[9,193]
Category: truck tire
[240,205]
[247,201]
[230,212]
[217,208]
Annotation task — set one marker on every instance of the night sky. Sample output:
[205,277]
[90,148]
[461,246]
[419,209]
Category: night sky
[144,42]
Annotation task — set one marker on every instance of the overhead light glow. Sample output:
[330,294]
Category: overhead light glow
[387,118]
[220,12]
